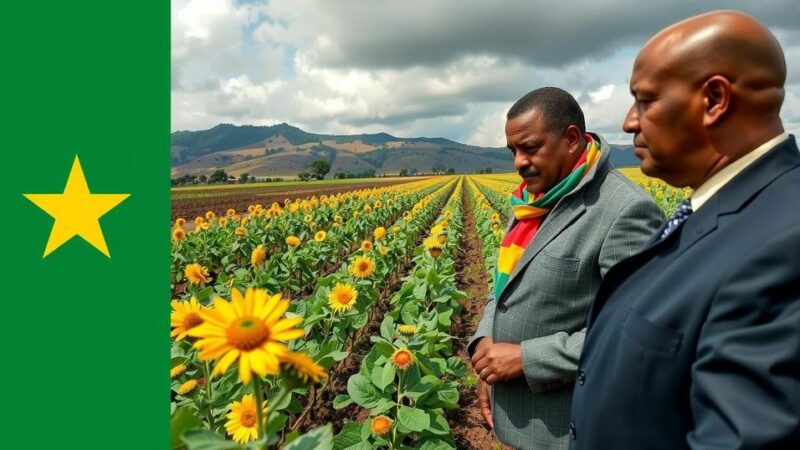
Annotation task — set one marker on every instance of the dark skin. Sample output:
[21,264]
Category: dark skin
[707,91]
[543,157]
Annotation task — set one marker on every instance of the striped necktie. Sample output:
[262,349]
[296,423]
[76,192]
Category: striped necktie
[681,214]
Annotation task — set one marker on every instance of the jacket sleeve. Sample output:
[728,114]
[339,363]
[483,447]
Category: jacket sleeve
[549,362]
[484,327]
[745,391]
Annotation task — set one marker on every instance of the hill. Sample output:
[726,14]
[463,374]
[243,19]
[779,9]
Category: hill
[285,150]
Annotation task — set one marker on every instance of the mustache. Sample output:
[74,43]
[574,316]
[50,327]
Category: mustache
[528,172]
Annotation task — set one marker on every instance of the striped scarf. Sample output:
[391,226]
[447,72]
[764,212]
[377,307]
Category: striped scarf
[531,212]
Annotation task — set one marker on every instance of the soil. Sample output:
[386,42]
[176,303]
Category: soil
[219,200]
[469,428]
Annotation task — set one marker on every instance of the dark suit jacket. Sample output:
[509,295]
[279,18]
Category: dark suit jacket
[694,342]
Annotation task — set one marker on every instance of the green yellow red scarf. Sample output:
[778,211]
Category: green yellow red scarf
[531,212]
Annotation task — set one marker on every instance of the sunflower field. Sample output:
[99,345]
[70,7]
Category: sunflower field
[333,321]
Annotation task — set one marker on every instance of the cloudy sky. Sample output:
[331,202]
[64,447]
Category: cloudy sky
[446,68]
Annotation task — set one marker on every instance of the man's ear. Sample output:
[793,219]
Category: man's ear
[717,93]
[574,138]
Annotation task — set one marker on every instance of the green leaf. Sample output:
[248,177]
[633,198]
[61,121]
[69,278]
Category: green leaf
[435,444]
[207,440]
[387,328]
[439,424]
[414,419]
[362,391]
[349,436]
[317,439]
[360,320]
[342,401]
[184,419]
[385,376]
[383,406]
[420,291]
[424,386]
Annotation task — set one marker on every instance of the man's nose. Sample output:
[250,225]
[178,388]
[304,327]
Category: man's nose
[631,122]
[520,161]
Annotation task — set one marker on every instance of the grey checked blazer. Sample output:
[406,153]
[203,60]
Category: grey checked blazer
[603,220]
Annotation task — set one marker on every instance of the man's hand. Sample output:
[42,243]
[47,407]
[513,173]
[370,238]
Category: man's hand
[483,402]
[496,362]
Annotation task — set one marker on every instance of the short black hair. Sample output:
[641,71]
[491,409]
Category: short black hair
[557,106]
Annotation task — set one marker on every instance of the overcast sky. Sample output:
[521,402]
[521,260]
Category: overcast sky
[411,68]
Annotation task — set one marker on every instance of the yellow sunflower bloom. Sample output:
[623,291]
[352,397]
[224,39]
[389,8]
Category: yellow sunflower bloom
[442,238]
[177,371]
[184,316]
[381,425]
[258,255]
[342,297]
[402,358]
[210,215]
[223,221]
[242,422]
[230,212]
[293,241]
[362,267]
[378,204]
[187,387]
[383,250]
[240,231]
[304,367]
[366,246]
[196,274]
[379,233]
[198,220]
[433,246]
[178,234]
[367,209]
[320,236]
[180,222]
[495,217]
[249,329]
[396,229]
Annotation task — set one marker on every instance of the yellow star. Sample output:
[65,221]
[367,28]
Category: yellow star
[77,211]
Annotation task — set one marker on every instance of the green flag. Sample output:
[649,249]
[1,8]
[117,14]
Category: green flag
[85,188]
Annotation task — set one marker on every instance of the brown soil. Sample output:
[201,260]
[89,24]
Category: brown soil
[220,200]
[469,428]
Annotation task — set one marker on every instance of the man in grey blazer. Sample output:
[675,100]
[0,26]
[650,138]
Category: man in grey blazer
[530,337]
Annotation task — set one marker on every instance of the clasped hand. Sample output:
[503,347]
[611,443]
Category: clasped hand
[496,362]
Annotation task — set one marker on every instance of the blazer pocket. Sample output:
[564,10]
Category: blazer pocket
[559,263]
[650,335]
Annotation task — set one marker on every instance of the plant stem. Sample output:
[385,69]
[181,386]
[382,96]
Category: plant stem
[397,406]
[262,426]
[207,372]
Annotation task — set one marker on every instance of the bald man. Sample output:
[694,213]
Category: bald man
[694,342]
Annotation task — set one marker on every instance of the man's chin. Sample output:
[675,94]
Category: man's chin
[533,186]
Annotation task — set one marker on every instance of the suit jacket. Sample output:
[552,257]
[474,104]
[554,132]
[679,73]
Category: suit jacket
[694,342]
[601,221]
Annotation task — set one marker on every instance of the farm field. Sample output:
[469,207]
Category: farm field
[344,313]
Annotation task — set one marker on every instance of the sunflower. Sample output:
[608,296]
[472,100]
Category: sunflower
[177,371]
[437,230]
[187,387]
[210,215]
[258,255]
[320,236]
[223,221]
[366,246]
[180,222]
[379,233]
[304,367]
[362,267]
[230,212]
[337,218]
[367,209]
[308,218]
[242,422]
[396,229]
[402,358]
[196,274]
[293,241]
[184,316]
[406,215]
[378,204]
[240,231]
[312,225]
[407,329]
[442,238]
[342,297]
[381,425]
[433,245]
[495,217]
[384,250]
[178,234]
[248,328]
[251,209]
[356,214]
[495,226]
[198,220]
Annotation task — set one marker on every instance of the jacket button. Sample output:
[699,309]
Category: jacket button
[581,377]
[502,307]
[572,432]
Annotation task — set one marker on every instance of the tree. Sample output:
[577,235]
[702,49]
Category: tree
[488,170]
[320,168]
[219,176]
[304,176]
[451,171]
[243,177]
[404,172]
